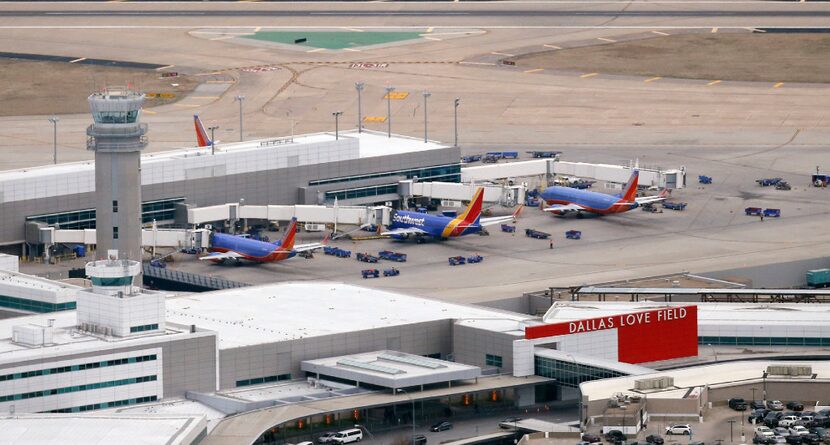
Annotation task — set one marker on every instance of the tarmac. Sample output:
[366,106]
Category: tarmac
[735,132]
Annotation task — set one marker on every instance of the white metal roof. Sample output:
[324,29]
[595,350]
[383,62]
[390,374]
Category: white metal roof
[391,369]
[173,407]
[716,374]
[286,311]
[707,313]
[90,429]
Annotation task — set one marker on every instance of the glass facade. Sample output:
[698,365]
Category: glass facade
[443,173]
[569,373]
[77,388]
[764,341]
[268,379]
[362,192]
[81,367]
[146,327]
[493,360]
[78,409]
[161,210]
[34,306]
[115,117]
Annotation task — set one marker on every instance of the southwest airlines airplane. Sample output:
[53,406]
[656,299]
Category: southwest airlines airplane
[225,247]
[564,200]
[421,225]
[202,139]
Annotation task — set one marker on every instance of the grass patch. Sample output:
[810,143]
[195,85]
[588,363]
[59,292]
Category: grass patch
[334,40]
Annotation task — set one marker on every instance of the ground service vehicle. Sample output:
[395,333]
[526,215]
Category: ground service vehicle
[391,272]
[457,260]
[392,256]
[530,233]
[370,273]
[508,228]
[366,258]
[766,182]
[772,213]
[573,234]
[475,259]
[704,179]
[671,205]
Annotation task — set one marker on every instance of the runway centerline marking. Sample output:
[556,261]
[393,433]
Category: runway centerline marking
[552,46]
[78,60]
[652,79]
[714,82]
[585,76]
[661,33]
[496,53]
[606,40]
[534,70]
[778,85]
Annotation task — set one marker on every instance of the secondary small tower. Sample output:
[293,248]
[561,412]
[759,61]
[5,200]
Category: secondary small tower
[115,306]
[117,138]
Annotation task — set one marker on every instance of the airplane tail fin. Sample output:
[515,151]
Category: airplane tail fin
[287,241]
[473,211]
[630,192]
[202,138]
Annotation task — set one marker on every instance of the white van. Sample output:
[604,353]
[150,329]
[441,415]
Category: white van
[348,436]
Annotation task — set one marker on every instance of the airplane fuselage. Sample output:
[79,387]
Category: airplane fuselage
[250,249]
[593,202]
[440,227]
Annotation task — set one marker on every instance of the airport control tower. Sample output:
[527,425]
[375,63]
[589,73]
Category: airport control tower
[117,139]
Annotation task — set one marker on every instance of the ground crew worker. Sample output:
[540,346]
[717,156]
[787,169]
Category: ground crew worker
[551,244]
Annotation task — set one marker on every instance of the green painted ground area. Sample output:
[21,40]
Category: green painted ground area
[334,40]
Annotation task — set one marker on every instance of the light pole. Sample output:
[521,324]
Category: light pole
[212,139]
[389,91]
[239,99]
[359,87]
[413,412]
[426,96]
[753,389]
[336,115]
[54,120]
[715,353]
[731,424]
[455,114]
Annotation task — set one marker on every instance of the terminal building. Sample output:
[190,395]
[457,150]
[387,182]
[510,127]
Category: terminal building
[357,168]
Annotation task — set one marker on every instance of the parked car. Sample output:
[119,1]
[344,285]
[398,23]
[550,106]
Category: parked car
[441,426]
[795,406]
[763,440]
[787,421]
[656,439]
[781,431]
[807,420]
[510,423]
[793,439]
[799,430]
[763,430]
[419,439]
[615,436]
[590,438]
[775,405]
[821,432]
[757,415]
[684,429]
[821,421]
[306,443]
[326,437]
[771,419]
[810,439]
[779,439]
[757,404]
[348,436]
[738,404]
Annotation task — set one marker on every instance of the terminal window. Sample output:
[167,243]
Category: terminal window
[259,380]
[159,211]
[115,207]
[146,327]
[115,232]
[493,360]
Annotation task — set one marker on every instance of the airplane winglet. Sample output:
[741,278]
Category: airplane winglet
[519,210]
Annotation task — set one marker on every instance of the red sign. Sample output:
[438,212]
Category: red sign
[658,334]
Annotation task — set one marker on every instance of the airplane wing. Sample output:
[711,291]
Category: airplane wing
[650,199]
[500,219]
[404,231]
[310,246]
[221,256]
[564,208]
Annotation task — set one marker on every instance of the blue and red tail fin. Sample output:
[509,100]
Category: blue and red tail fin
[202,138]
[287,241]
[472,213]
[629,194]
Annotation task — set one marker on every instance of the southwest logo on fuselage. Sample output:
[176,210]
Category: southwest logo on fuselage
[406,218]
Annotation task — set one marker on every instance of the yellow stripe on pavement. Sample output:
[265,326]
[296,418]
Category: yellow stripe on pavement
[585,76]
[652,79]
[534,70]
[714,30]
[714,82]
[606,40]
[778,85]
[552,46]
[661,33]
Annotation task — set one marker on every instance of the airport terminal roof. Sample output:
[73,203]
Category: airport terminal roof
[733,372]
[371,144]
[87,428]
[286,311]
[391,369]
[707,313]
